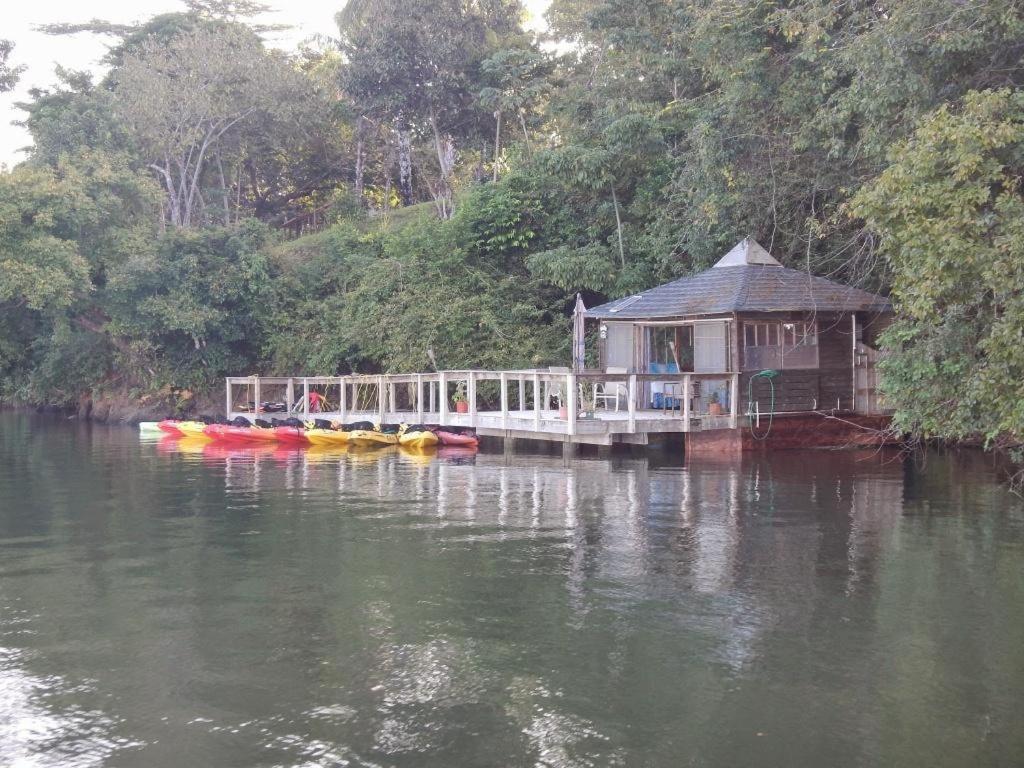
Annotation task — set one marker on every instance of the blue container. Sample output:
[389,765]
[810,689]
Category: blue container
[659,400]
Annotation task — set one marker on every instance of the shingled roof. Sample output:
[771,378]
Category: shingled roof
[747,279]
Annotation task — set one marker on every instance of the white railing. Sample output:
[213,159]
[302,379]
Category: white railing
[536,396]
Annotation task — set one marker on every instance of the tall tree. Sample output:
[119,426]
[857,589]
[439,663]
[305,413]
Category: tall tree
[190,100]
[414,64]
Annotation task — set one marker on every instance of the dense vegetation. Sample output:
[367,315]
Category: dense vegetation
[472,178]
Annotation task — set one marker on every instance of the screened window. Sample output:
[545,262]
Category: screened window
[670,348]
[780,345]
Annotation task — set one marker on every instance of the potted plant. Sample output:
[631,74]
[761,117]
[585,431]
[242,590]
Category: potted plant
[459,398]
[715,405]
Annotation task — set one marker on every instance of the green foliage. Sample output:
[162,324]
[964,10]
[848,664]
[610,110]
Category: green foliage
[951,217]
[190,310]
[8,73]
[658,136]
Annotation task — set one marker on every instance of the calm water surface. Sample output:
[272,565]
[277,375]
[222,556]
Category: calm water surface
[166,605]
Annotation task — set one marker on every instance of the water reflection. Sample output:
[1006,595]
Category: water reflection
[176,603]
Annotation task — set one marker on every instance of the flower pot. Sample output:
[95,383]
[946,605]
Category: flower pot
[563,413]
[715,409]
[462,407]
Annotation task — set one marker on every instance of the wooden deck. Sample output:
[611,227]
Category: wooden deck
[522,404]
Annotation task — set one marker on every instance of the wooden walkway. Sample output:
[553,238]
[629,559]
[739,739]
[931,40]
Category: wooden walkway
[590,407]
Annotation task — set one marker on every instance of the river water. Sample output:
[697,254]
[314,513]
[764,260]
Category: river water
[166,604]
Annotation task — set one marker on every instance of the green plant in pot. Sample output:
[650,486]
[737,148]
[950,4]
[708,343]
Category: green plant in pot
[715,405]
[460,399]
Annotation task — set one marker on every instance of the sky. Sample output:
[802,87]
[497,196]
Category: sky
[39,53]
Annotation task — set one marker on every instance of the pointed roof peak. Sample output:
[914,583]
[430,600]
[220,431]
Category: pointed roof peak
[747,252]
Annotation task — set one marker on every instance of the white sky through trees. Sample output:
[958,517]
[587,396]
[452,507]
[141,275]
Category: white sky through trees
[39,53]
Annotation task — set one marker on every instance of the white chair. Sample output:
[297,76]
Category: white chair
[611,392]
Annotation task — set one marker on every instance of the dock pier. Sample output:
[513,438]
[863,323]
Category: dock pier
[589,408]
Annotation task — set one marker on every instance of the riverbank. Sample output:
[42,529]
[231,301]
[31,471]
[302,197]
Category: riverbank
[125,408]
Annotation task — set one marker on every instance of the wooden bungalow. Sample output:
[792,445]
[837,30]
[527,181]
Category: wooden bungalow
[808,343]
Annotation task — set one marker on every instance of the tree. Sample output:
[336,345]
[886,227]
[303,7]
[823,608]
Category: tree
[414,65]
[518,79]
[949,212]
[8,73]
[188,101]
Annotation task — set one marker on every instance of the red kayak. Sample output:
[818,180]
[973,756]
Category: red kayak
[456,438]
[293,435]
[239,434]
[170,426]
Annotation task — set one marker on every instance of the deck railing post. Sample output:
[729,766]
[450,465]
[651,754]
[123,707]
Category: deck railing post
[687,390]
[392,400]
[227,392]
[734,401]
[289,395]
[419,398]
[503,379]
[631,396]
[380,399]
[256,393]
[305,397]
[536,400]
[570,397]
[471,390]
[522,392]
[343,397]
[442,399]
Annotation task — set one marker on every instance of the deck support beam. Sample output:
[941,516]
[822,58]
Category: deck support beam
[442,399]
[503,380]
[687,397]
[536,401]
[471,391]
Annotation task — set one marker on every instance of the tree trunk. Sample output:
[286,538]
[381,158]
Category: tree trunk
[225,195]
[360,160]
[446,162]
[405,166]
[618,227]
[497,142]
[526,134]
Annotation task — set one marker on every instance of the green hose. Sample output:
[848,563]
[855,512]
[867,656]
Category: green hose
[768,374]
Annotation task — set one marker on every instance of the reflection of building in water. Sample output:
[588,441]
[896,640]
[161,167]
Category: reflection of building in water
[706,527]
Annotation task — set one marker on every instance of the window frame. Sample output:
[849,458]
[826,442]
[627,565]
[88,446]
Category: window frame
[782,339]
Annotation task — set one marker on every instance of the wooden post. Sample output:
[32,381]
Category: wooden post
[536,401]
[522,393]
[631,395]
[305,397]
[289,395]
[570,396]
[504,400]
[432,405]
[687,391]
[343,398]
[442,399]
[380,399]
[256,392]
[227,387]
[392,400]
[734,396]
[419,398]
[471,391]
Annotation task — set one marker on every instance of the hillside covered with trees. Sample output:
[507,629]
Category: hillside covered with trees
[430,183]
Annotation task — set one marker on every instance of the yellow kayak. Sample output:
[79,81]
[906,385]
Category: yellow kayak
[372,437]
[418,439]
[327,436]
[192,429]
